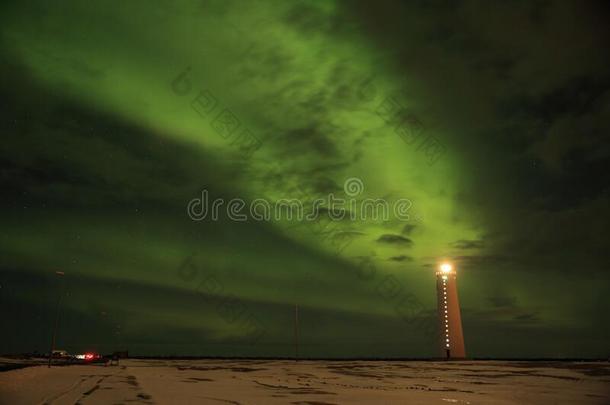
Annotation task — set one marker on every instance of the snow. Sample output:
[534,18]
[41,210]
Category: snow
[310,382]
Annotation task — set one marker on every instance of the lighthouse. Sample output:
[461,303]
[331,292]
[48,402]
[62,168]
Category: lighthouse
[450,320]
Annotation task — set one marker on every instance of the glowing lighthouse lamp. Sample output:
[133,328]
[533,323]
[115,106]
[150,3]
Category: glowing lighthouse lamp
[450,321]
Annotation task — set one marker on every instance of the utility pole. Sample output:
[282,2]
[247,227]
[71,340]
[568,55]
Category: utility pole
[296,331]
[61,274]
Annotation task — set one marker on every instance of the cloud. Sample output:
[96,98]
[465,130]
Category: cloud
[401,258]
[500,301]
[394,239]
[528,317]
[482,261]
[467,244]
[408,229]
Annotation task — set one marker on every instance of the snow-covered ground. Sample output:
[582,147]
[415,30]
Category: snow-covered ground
[310,382]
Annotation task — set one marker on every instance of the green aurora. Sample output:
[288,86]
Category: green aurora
[104,146]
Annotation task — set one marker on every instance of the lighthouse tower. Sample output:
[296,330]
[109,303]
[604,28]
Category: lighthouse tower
[450,321]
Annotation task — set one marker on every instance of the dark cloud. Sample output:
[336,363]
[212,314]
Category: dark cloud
[481,261]
[467,244]
[401,258]
[531,317]
[394,239]
[499,301]
[408,229]
[310,139]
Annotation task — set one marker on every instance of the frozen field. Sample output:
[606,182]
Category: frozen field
[310,382]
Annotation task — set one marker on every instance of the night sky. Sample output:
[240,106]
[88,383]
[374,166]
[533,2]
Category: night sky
[109,128]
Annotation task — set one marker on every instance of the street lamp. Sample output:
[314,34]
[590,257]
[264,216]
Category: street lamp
[61,274]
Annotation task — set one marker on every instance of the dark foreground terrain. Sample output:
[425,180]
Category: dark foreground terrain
[309,382]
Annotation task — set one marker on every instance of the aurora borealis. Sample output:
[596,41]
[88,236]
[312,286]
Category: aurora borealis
[104,144]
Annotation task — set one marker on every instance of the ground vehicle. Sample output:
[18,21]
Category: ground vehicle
[90,357]
[61,354]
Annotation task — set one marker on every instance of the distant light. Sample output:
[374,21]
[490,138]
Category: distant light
[446,268]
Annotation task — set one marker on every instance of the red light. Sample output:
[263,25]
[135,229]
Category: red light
[89,356]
